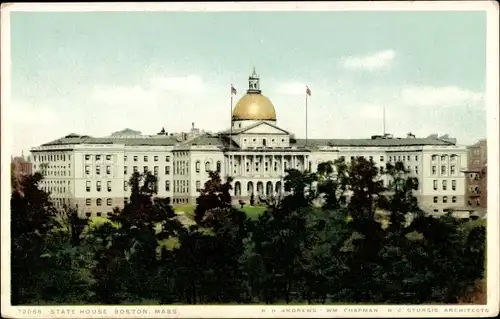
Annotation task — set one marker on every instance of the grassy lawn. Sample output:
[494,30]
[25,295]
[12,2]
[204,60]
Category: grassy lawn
[186,208]
[253,212]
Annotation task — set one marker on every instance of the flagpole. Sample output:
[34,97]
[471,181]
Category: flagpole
[306,117]
[230,133]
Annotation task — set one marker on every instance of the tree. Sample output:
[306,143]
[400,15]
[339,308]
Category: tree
[128,264]
[208,260]
[32,218]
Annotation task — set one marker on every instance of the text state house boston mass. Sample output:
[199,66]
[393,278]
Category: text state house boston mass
[93,172]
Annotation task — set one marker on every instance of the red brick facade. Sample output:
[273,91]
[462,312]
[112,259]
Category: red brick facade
[477,181]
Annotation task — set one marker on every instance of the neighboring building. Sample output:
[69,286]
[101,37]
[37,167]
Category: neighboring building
[476,176]
[92,172]
[21,166]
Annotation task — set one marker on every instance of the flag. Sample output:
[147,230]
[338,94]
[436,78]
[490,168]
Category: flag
[308,91]
[233,90]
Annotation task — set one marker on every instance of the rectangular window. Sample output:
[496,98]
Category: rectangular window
[108,170]
[444,185]
[136,158]
[371,158]
[155,169]
[145,169]
[167,170]
[452,169]
[87,169]
[443,169]
[125,158]
[434,157]
[434,170]
[435,184]
[197,166]
[167,159]
[98,186]
[435,199]
[98,157]
[109,186]
[156,158]
[198,186]
[416,169]
[109,202]
[125,185]
[87,157]
[145,158]
[108,157]
[416,157]
[443,157]
[87,202]
[125,200]
[445,199]
[88,186]
[453,184]
[135,169]
[381,158]
[98,170]
[167,186]
[125,170]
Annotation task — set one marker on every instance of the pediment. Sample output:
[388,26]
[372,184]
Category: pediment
[264,128]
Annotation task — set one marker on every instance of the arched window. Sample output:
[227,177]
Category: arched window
[98,202]
[218,166]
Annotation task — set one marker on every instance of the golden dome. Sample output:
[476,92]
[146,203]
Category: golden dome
[254,106]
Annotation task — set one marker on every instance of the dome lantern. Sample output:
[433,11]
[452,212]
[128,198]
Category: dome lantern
[253,83]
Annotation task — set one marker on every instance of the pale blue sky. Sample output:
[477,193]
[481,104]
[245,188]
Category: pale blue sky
[99,72]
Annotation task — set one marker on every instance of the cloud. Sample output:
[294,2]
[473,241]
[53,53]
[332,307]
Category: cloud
[192,83]
[119,95]
[375,61]
[146,95]
[447,96]
[293,88]
[374,112]
[23,113]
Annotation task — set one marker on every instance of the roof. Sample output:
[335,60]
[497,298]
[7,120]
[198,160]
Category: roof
[372,142]
[157,140]
[246,128]
[222,140]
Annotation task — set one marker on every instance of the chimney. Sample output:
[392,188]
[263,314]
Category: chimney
[192,126]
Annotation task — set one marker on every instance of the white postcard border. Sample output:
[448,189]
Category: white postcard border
[275,311]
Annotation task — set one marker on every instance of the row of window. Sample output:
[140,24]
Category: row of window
[98,157]
[445,199]
[97,170]
[98,186]
[444,185]
[98,214]
[156,158]
[51,158]
[434,157]
[264,141]
[453,170]
[207,166]
[98,202]
[55,189]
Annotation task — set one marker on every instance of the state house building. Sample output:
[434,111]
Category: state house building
[93,172]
